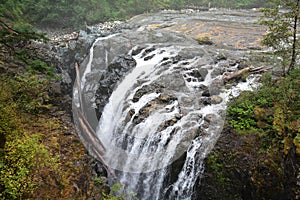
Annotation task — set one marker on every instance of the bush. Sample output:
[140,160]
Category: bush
[27,91]
[22,154]
[274,109]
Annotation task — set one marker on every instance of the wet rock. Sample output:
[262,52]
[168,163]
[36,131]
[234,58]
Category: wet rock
[196,74]
[167,124]
[119,66]
[160,102]
[147,89]
[206,93]
[220,57]
[217,72]
[167,98]
[148,51]
[255,48]
[137,50]
[149,57]
[242,65]
[205,101]
[187,101]
[203,72]
[202,87]
[209,117]
[205,125]
[200,74]
[216,99]
[232,63]
[216,86]
[191,52]
[173,82]
[178,116]
[129,115]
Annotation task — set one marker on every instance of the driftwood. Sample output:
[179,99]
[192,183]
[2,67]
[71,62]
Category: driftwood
[240,73]
[90,135]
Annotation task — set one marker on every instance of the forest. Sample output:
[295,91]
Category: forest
[75,13]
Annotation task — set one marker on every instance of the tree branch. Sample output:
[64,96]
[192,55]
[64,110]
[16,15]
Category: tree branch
[8,28]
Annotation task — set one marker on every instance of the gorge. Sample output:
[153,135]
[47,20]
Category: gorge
[155,99]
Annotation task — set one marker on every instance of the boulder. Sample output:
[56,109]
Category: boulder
[216,99]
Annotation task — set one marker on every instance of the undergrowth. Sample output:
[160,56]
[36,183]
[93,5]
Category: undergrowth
[273,111]
[22,153]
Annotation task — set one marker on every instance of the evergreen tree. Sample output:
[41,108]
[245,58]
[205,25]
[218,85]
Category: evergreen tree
[282,20]
[15,31]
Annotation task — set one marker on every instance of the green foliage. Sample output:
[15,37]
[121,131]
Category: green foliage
[241,112]
[27,91]
[23,154]
[274,109]
[16,33]
[282,21]
[217,167]
[117,193]
[74,13]
[15,36]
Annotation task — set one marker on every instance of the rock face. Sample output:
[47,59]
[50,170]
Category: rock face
[238,169]
[115,71]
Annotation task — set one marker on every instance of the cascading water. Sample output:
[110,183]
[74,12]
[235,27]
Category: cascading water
[159,113]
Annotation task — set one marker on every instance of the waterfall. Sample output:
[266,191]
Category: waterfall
[155,116]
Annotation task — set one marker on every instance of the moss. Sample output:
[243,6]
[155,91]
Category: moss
[217,165]
[204,41]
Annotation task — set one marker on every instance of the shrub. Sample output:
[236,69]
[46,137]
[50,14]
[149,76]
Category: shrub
[23,154]
[274,108]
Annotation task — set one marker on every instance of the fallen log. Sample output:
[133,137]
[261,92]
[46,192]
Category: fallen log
[78,85]
[90,138]
[240,73]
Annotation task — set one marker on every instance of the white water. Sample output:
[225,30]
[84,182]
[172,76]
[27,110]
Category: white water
[91,54]
[112,113]
[141,152]
[87,70]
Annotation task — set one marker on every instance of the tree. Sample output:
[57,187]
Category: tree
[15,31]
[282,20]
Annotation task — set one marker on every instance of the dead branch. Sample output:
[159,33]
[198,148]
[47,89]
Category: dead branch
[8,28]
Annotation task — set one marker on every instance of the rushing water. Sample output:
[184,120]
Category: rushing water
[142,152]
